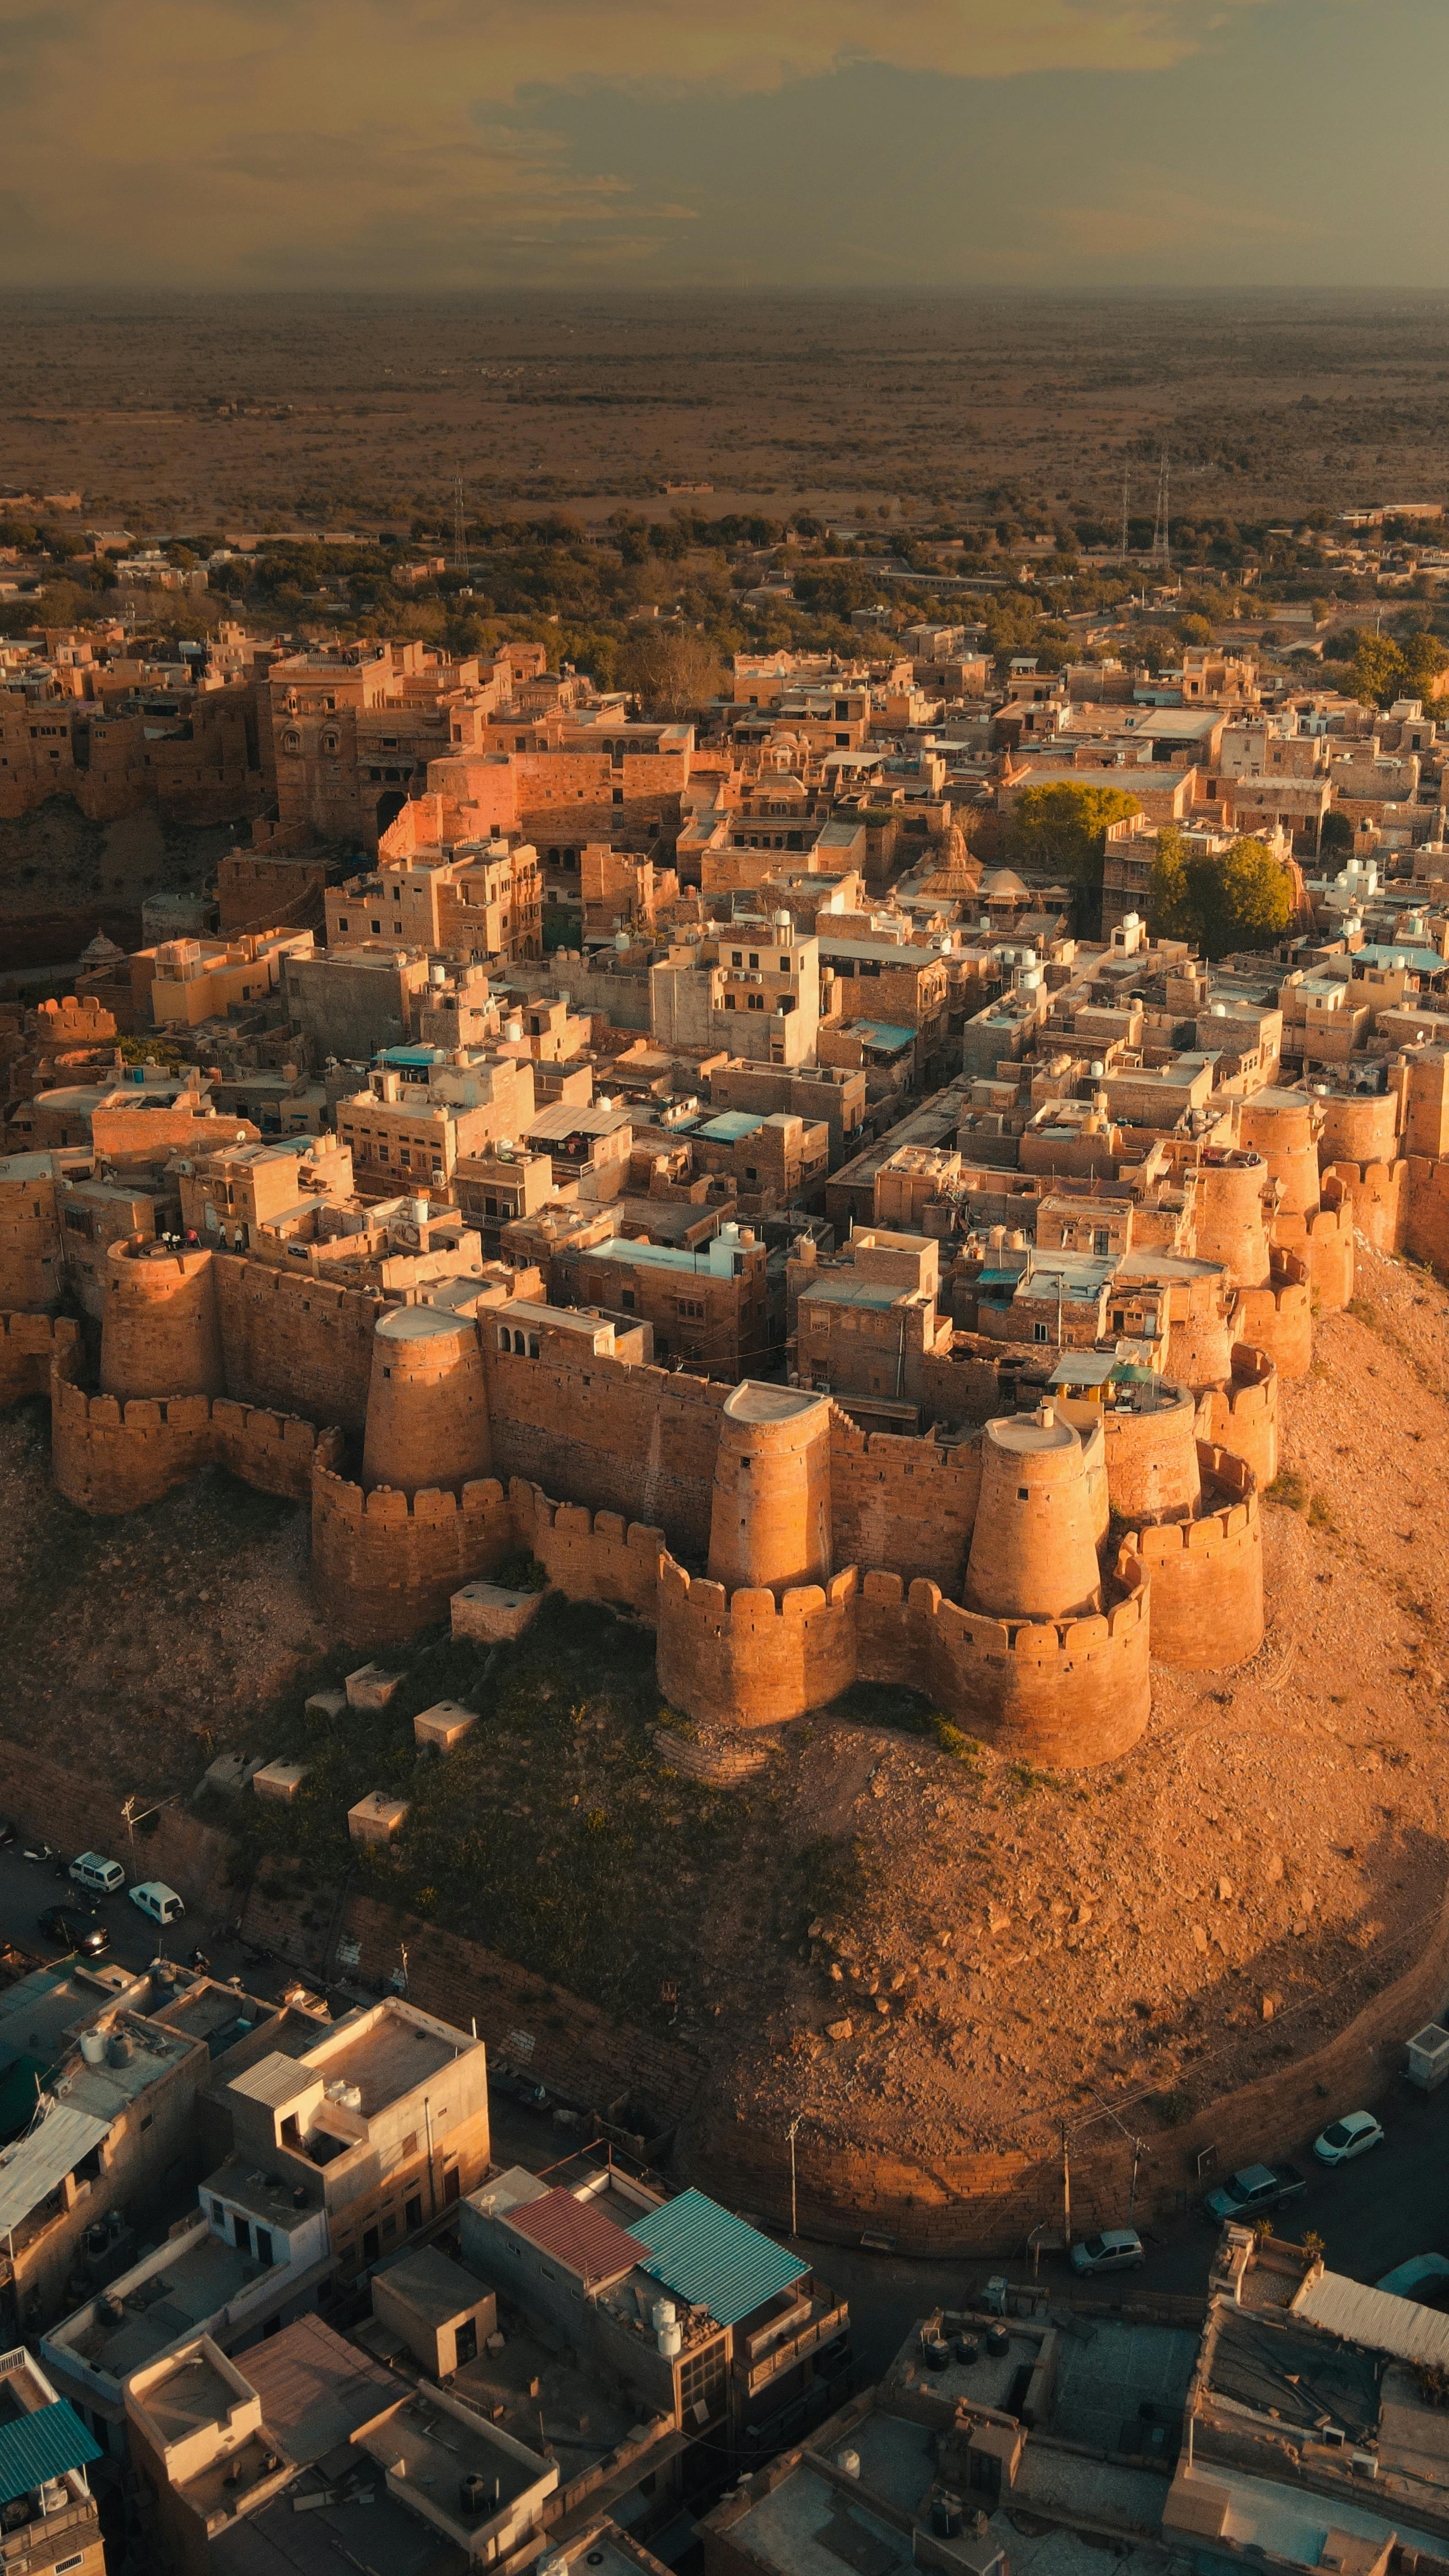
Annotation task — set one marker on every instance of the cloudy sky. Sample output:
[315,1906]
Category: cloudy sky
[753,143]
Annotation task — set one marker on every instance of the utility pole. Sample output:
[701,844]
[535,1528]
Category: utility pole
[1161,526]
[794,2212]
[1066,2191]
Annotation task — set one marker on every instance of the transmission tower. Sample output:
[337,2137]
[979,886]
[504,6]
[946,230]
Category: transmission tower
[1161,544]
[460,535]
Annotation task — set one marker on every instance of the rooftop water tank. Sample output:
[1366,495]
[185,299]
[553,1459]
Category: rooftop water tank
[93,2047]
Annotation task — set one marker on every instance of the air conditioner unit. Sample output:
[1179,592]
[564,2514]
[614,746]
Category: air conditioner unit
[1365,2463]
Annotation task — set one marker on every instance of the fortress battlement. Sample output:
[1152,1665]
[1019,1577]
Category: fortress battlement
[28,1346]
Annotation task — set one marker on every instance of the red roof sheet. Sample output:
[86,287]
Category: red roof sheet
[581,2236]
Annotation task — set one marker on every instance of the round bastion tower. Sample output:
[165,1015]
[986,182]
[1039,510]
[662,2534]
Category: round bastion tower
[770,1516]
[427,1402]
[159,1330]
[1033,1547]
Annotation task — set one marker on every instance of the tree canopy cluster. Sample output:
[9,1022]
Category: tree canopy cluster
[1220,900]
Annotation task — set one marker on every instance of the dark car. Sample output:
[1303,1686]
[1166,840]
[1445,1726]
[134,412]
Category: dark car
[75,1932]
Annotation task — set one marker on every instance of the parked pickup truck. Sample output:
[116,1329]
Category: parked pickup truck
[1256,2187]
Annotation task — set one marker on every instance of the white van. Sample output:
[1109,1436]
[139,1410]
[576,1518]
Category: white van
[97,1875]
[159,1901]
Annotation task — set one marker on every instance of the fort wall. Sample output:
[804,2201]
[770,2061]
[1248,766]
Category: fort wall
[1358,1127]
[746,1659]
[1243,1416]
[616,1438]
[1426,1213]
[109,1457]
[770,1507]
[385,1564]
[907,1505]
[1152,1461]
[32,1254]
[28,1345]
[159,1327]
[1200,1343]
[1324,1240]
[1285,1133]
[1378,1193]
[1206,1574]
[1070,1691]
[427,1406]
[1278,1319]
[295,1341]
[592,1556]
[1230,1217]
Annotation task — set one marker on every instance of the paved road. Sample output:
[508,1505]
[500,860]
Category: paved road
[1371,2215]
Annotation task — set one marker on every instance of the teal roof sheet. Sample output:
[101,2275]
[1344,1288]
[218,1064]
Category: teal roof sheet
[714,2260]
[36,2447]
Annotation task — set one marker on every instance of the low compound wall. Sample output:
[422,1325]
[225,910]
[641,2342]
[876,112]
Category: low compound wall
[1243,1416]
[1207,1574]
[108,1457]
[384,1566]
[28,1345]
[592,1556]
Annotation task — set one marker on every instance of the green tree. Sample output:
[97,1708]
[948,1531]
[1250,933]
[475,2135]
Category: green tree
[1221,900]
[670,669]
[1376,670]
[1422,658]
[1336,840]
[1061,830]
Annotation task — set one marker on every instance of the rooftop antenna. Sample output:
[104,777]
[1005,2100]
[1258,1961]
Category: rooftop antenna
[460,539]
[1161,547]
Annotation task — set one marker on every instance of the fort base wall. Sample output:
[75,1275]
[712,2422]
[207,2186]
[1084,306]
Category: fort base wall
[1206,1574]
[108,1457]
[1278,1319]
[592,1556]
[28,1346]
[1378,1192]
[1426,1212]
[1242,1417]
[384,1565]
[746,1660]
[1323,1238]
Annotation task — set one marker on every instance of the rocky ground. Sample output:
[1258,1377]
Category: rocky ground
[923,1948]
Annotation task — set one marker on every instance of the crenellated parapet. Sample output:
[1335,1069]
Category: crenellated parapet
[385,1563]
[1074,1691]
[1242,1416]
[1323,1239]
[1378,1190]
[110,1456]
[592,1556]
[1278,1318]
[1206,1573]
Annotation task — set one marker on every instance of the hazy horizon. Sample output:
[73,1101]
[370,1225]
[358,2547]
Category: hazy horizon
[1019,146]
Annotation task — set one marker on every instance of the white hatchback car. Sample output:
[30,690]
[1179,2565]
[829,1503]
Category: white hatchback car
[1351,2136]
[1117,2249]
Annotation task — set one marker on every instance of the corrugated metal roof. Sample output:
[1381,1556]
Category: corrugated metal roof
[581,2237]
[1374,2318]
[35,2165]
[40,2446]
[706,2255]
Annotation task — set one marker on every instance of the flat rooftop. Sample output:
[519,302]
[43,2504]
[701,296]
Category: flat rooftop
[389,2056]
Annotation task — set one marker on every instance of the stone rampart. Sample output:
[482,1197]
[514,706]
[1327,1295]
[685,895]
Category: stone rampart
[384,1565]
[1243,1416]
[1069,1691]
[592,1556]
[1072,1691]
[159,1331]
[1426,1213]
[747,1660]
[28,1345]
[295,1341]
[1358,1127]
[616,1438]
[32,1257]
[1152,1465]
[1207,1574]
[1379,1193]
[908,1505]
[108,1457]
[1324,1240]
[1278,1319]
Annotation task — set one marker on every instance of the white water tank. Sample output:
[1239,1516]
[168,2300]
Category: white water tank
[93,2047]
[848,2462]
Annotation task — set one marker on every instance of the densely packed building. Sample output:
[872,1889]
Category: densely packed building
[671,1149]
